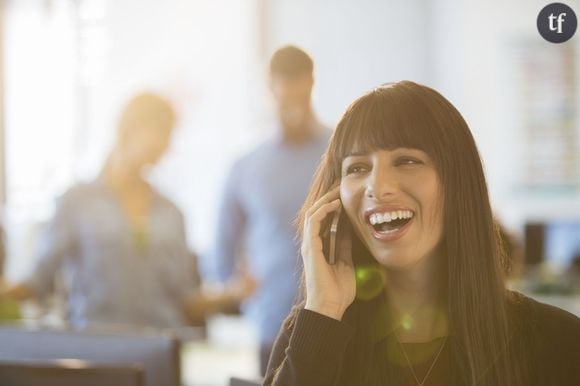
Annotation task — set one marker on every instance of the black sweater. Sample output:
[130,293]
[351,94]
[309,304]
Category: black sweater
[317,350]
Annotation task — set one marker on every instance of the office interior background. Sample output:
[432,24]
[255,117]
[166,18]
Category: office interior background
[69,65]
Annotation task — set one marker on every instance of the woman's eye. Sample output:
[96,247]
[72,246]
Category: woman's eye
[355,169]
[408,161]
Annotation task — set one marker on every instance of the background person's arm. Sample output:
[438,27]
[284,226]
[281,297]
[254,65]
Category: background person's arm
[17,291]
[56,243]
[201,305]
[197,304]
[230,230]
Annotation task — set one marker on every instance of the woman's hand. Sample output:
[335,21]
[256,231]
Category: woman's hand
[242,287]
[3,287]
[203,304]
[330,289]
[17,292]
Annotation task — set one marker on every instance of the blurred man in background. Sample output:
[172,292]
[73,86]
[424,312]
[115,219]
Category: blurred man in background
[263,193]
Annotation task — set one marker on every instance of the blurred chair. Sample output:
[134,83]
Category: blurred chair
[156,353]
[68,372]
[242,382]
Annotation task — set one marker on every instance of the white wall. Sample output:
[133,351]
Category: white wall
[39,118]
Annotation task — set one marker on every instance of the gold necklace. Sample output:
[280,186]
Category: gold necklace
[411,365]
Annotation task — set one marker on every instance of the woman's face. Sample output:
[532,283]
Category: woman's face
[394,201]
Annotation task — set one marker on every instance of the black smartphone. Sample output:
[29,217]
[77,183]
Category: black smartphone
[333,230]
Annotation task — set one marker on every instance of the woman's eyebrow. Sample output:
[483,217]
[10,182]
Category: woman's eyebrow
[356,153]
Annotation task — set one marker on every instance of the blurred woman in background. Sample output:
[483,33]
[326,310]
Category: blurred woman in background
[120,245]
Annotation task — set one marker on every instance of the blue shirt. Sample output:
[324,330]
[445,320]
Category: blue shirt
[263,194]
[110,276]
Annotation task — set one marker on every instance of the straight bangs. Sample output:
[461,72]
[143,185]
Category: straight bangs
[384,121]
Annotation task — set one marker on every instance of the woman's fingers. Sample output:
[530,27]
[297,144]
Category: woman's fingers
[332,194]
[320,214]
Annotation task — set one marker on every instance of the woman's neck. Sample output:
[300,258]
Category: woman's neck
[134,193]
[121,177]
[416,299]
[307,129]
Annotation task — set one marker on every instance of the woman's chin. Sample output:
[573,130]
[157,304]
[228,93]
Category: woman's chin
[394,261]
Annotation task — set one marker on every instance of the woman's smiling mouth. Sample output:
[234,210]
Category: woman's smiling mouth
[388,225]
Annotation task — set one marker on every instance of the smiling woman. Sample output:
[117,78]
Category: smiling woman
[417,295]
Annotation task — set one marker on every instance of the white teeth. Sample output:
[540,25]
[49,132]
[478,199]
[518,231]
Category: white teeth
[379,218]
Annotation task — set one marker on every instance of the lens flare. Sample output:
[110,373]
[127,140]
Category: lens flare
[370,282]
[407,322]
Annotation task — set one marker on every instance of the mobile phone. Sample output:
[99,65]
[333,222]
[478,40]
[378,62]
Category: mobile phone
[332,233]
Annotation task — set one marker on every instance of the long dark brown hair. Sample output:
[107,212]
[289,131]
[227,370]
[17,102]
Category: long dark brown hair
[406,114]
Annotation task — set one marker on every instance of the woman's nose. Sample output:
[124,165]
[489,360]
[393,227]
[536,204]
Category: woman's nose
[382,183]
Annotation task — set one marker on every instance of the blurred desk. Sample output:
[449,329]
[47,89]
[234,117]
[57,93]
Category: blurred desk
[231,349]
